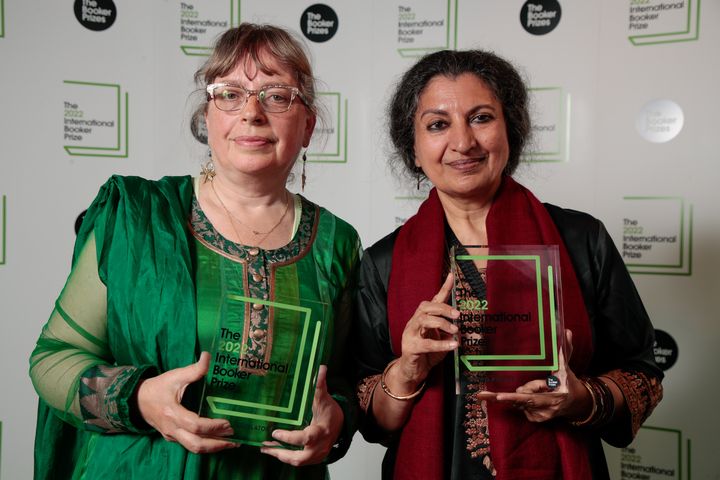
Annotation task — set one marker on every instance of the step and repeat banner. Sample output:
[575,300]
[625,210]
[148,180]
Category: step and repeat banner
[624,106]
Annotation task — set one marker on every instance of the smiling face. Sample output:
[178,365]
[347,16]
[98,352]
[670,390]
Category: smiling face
[250,141]
[460,137]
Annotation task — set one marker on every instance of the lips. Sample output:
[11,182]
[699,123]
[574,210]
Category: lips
[466,163]
[252,140]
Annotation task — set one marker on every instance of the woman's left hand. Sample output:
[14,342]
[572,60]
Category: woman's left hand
[318,438]
[540,403]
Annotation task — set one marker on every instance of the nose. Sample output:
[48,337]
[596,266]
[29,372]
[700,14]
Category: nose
[252,111]
[462,139]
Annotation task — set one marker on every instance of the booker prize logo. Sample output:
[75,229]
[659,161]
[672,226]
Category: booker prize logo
[2,18]
[3,215]
[95,119]
[659,121]
[319,23]
[95,15]
[665,349]
[201,22]
[539,17]
[656,452]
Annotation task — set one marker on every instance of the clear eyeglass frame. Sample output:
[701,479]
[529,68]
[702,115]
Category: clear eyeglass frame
[261,94]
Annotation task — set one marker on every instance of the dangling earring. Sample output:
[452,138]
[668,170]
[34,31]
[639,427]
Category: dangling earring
[303,177]
[208,170]
[418,176]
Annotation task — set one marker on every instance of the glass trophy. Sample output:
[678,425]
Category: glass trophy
[264,379]
[510,326]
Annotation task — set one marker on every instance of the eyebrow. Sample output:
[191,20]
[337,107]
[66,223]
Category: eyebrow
[439,111]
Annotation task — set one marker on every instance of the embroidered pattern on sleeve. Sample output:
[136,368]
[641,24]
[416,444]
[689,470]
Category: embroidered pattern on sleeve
[100,387]
[365,389]
[642,393]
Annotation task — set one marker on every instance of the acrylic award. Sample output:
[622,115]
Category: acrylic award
[262,377]
[510,324]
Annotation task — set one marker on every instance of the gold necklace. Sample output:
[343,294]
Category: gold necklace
[232,217]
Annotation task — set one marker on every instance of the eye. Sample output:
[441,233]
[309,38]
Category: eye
[276,96]
[483,117]
[229,94]
[437,125]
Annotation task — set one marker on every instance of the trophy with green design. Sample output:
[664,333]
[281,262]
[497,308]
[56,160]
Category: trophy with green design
[510,325]
[262,373]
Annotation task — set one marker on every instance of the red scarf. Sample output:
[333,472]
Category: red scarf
[519,449]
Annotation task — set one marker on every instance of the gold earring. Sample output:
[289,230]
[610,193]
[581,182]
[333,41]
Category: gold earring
[208,170]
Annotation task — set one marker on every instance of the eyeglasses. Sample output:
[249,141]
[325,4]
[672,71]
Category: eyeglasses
[272,98]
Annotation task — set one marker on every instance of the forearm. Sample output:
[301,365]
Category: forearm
[393,397]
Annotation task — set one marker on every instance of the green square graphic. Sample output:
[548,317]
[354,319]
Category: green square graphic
[420,51]
[559,153]
[258,387]
[686,34]
[205,51]
[118,150]
[216,402]
[340,153]
[3,233]
[675,440]
[685,234]
[2,18]
[542,354]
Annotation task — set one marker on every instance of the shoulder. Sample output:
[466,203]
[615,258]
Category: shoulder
[381,251]
[329,223]
[377,260]
[578,229]
[136,199]
[568,219]
[135,187]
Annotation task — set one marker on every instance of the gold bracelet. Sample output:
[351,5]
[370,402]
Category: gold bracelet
[392,395]
[591,417]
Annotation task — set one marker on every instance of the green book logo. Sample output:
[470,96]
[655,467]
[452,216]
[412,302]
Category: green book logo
[550,125]
[95,119]
[651,22]
[202,22]
[329,144]
[657,235]
[426,28]
[3,225]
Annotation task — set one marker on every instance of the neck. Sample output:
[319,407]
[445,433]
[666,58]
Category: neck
[246,214]
[466,216]
[249,192]
[248,195]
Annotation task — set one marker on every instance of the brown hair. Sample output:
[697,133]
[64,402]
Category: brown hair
[249,41]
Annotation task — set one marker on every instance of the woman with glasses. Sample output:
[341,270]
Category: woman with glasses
[460,120]
[154,263]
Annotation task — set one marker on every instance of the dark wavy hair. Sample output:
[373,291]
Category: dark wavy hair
[497,73]
[249,41]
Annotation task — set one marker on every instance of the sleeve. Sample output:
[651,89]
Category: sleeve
[624,342]
[371,336]
[72,367]
[339,371]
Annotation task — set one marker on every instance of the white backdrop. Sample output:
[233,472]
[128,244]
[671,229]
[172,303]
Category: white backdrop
[625,100]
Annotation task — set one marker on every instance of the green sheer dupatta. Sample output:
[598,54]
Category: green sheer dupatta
[144,259]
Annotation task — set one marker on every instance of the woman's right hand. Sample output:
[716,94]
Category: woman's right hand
[428,337]
[159,398]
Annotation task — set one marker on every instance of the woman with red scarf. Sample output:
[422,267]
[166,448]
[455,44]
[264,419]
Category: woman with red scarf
[460,119]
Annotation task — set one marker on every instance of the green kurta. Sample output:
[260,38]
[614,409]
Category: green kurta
[147,259]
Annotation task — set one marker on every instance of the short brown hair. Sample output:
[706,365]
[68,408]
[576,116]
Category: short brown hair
[250,40]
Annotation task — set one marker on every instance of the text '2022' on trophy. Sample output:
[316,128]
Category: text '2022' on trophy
[510,325]
[264,379]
